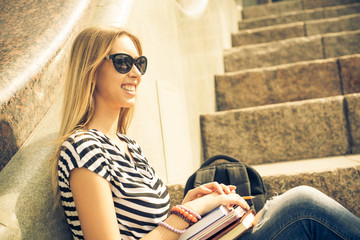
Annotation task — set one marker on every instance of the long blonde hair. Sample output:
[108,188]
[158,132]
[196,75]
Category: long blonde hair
[88,51]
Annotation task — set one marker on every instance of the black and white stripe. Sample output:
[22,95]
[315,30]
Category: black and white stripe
[141,199]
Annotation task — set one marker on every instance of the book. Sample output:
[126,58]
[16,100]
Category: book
[233,215]
[219,223]
[237,228]
[205,222]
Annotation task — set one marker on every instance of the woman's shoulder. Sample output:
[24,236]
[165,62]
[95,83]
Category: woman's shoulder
[84,148]
[83,139]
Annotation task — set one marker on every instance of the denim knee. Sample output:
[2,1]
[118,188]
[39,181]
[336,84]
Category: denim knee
[303,197]
[294,202]
[304,193]
[307,210]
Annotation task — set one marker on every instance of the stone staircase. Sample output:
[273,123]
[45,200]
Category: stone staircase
[289,102]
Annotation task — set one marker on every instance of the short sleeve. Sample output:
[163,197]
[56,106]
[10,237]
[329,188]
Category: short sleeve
[83,151]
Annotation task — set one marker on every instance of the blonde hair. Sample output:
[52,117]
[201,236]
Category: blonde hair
[88,51]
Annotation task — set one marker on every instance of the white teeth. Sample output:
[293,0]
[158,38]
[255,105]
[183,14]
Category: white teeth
[130,88]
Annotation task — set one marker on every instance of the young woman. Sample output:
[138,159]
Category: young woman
[108,189]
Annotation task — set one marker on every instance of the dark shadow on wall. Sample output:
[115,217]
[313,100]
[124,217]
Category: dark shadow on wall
[34,208]
[26,186]
[8,146]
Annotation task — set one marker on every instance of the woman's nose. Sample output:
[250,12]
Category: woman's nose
[135,72]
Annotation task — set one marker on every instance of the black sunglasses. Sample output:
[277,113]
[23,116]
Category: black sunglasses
[124,62]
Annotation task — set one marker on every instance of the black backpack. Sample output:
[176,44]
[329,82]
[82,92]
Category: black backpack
[229,171]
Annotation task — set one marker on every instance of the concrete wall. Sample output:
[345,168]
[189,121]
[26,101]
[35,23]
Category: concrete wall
[184,46]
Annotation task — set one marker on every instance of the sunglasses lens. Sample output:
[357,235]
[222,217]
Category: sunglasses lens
[141,64]
[123,63]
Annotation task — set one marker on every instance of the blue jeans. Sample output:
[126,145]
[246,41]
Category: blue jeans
[304,213]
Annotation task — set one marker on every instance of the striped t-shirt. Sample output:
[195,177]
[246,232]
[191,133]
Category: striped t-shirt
[141,200]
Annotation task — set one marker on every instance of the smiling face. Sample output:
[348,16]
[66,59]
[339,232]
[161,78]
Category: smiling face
[115,89]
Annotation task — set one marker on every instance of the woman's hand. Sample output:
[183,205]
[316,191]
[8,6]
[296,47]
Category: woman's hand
[209,202]
[208,188]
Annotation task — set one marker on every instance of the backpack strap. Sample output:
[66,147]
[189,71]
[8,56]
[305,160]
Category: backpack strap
[206,173]
[205,176]
[237,175]
[217,157]
[239,178]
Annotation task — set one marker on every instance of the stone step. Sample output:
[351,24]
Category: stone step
[292,50]
[352,111]
[288,82]
[299,16]
[321,174]
[318,173]
[279,8]
[297,29]
[287,131]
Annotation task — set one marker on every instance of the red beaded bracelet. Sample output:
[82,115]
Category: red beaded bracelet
[190,211]
[190,218]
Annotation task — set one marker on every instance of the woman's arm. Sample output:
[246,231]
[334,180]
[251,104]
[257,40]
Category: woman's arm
[94,205]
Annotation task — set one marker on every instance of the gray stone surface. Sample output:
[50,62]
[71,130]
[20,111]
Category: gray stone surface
[268,34]
[340,44]
[296,29]
[279,8]
[273,53]
[353,101]
[281,19]
[176,193]
[288,82]
[26,202]
[300,16]
[342,10]
[350,73]
[342,185]
[32,62]
[338,24]
[280,132]
[326,3]
[271,9]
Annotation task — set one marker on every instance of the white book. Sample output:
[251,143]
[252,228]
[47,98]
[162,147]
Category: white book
[204,222]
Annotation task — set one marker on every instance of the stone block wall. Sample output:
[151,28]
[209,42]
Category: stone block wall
[286,131]
[353,111]
[288,82]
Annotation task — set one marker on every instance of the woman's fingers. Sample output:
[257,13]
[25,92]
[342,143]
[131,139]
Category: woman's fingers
[208,188]
[233,199]
[214,186]
[209,202]
[232,188]
[225,188]
[244,204]
[197,193]
[220,188]
[202,190]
